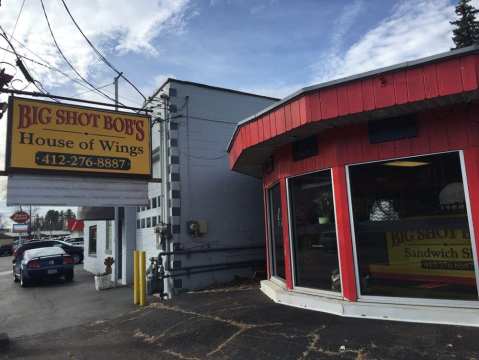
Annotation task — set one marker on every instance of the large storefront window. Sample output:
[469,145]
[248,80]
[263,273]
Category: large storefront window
[276,232]
[314,232]
[411,228]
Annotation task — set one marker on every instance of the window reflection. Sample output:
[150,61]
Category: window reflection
[411,228]
[314,232]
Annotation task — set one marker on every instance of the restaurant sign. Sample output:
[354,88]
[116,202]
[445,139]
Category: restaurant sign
[48,137]
[20,217]
[443,255]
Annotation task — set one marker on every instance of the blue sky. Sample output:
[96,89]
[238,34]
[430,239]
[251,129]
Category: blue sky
[267,46]
[271,47]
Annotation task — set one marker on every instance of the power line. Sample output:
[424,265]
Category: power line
[89,91]
[44,64]
[16,21]
[68,62]
[52,68]
[100,55]
[23,67]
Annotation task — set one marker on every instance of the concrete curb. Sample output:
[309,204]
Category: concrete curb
[4,341]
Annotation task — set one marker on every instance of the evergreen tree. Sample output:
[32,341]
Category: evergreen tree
[466,30]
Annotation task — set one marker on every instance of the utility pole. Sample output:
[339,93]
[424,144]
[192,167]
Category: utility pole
[118,223]
[116,89]
[30,224]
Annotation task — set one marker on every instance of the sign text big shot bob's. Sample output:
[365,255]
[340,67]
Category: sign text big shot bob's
[79,139]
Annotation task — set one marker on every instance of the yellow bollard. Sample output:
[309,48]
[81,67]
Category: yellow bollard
[142,278]
[136,277]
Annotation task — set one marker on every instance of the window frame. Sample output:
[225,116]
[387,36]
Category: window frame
[90,252]
[411,300]
[307,290]
[108,237]
[271,249]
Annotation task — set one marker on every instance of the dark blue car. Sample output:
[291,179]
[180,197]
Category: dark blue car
[42,263]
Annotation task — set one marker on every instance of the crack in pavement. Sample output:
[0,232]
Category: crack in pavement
[179,355]
[149,339]
[242,328]
[207,316]
[313,348]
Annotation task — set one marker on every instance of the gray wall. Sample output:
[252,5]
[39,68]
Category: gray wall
[229,202]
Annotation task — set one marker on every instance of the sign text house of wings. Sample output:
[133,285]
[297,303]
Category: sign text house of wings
[48,137]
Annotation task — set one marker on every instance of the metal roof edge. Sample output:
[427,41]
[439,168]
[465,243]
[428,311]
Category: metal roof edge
[192,83]
[406,64]
[240,92]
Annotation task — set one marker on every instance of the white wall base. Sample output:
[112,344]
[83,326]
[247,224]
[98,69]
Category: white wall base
[381,311]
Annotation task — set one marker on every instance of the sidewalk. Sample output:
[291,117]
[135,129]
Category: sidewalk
[242,323]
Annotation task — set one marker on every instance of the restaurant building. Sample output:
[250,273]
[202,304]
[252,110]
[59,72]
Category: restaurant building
[371,191]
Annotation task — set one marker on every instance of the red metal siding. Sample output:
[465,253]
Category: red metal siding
[343,225]
[428,81]
[287,249]
[471,160]
[400,87]
[329,103]
[449,77]
[445,129]
[452,128]
[295,114]
[355,96]
[315,106]
[384,94]
[415,84]
[468,73]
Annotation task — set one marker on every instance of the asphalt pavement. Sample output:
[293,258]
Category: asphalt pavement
[55,305]
[242,323]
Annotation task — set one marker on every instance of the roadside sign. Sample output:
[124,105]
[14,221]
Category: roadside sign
[48,137]
[20,228]
[20,217]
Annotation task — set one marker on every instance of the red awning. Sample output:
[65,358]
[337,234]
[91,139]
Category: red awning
[452,77]
[75,225]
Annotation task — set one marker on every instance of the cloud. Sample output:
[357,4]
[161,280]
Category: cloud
[413,30]
[344,23]
[130,28]
[278,89]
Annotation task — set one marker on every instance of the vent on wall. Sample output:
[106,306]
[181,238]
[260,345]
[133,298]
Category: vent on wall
[391,129]
[305,148]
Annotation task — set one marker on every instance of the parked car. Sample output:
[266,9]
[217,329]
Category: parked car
[41,263]
[76,252]
[77,241]
[6,247]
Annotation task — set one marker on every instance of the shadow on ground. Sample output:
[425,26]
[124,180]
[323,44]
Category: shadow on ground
[241,323]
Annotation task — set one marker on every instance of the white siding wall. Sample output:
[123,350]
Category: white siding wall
[94,263]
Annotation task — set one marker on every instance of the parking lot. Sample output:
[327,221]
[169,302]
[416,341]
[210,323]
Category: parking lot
[55,305]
